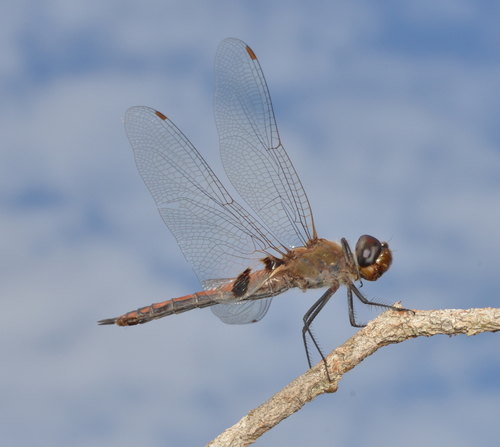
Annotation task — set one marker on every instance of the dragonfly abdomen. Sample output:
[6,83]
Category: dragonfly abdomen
[158,310]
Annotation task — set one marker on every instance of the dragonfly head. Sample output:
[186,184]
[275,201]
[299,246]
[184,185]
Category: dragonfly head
[373,257]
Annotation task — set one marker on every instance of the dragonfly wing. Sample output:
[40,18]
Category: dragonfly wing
[251,150]
[242,312]
[216,235]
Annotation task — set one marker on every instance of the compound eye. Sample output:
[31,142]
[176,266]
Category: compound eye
[367,250]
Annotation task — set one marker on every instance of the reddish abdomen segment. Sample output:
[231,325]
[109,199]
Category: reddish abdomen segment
[158,310]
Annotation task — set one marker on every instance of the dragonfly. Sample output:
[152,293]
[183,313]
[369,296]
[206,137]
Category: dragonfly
[243,259]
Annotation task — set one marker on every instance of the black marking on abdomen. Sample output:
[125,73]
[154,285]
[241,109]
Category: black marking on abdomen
[240,286]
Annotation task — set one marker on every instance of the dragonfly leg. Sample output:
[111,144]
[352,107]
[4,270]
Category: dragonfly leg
[352,288]
[309,317]
[351,264]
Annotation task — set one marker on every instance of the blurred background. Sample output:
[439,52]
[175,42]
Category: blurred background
[389,111]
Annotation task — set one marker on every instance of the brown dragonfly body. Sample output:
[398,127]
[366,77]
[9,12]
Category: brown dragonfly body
[321,264]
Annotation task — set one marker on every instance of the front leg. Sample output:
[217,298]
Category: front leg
[352,288]
[352,266]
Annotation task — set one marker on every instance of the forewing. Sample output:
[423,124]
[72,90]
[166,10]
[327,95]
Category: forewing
[253,156]
[217,236]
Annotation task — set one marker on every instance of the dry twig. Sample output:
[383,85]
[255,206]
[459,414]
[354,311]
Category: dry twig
[389,328]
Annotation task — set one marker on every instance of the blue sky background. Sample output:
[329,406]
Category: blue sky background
[389,111]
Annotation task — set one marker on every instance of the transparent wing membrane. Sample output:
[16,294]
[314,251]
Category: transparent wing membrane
[217,236]
[254,159]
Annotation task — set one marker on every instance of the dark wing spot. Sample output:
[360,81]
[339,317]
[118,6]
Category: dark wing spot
[251,53]
[240,286]
[161,115]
